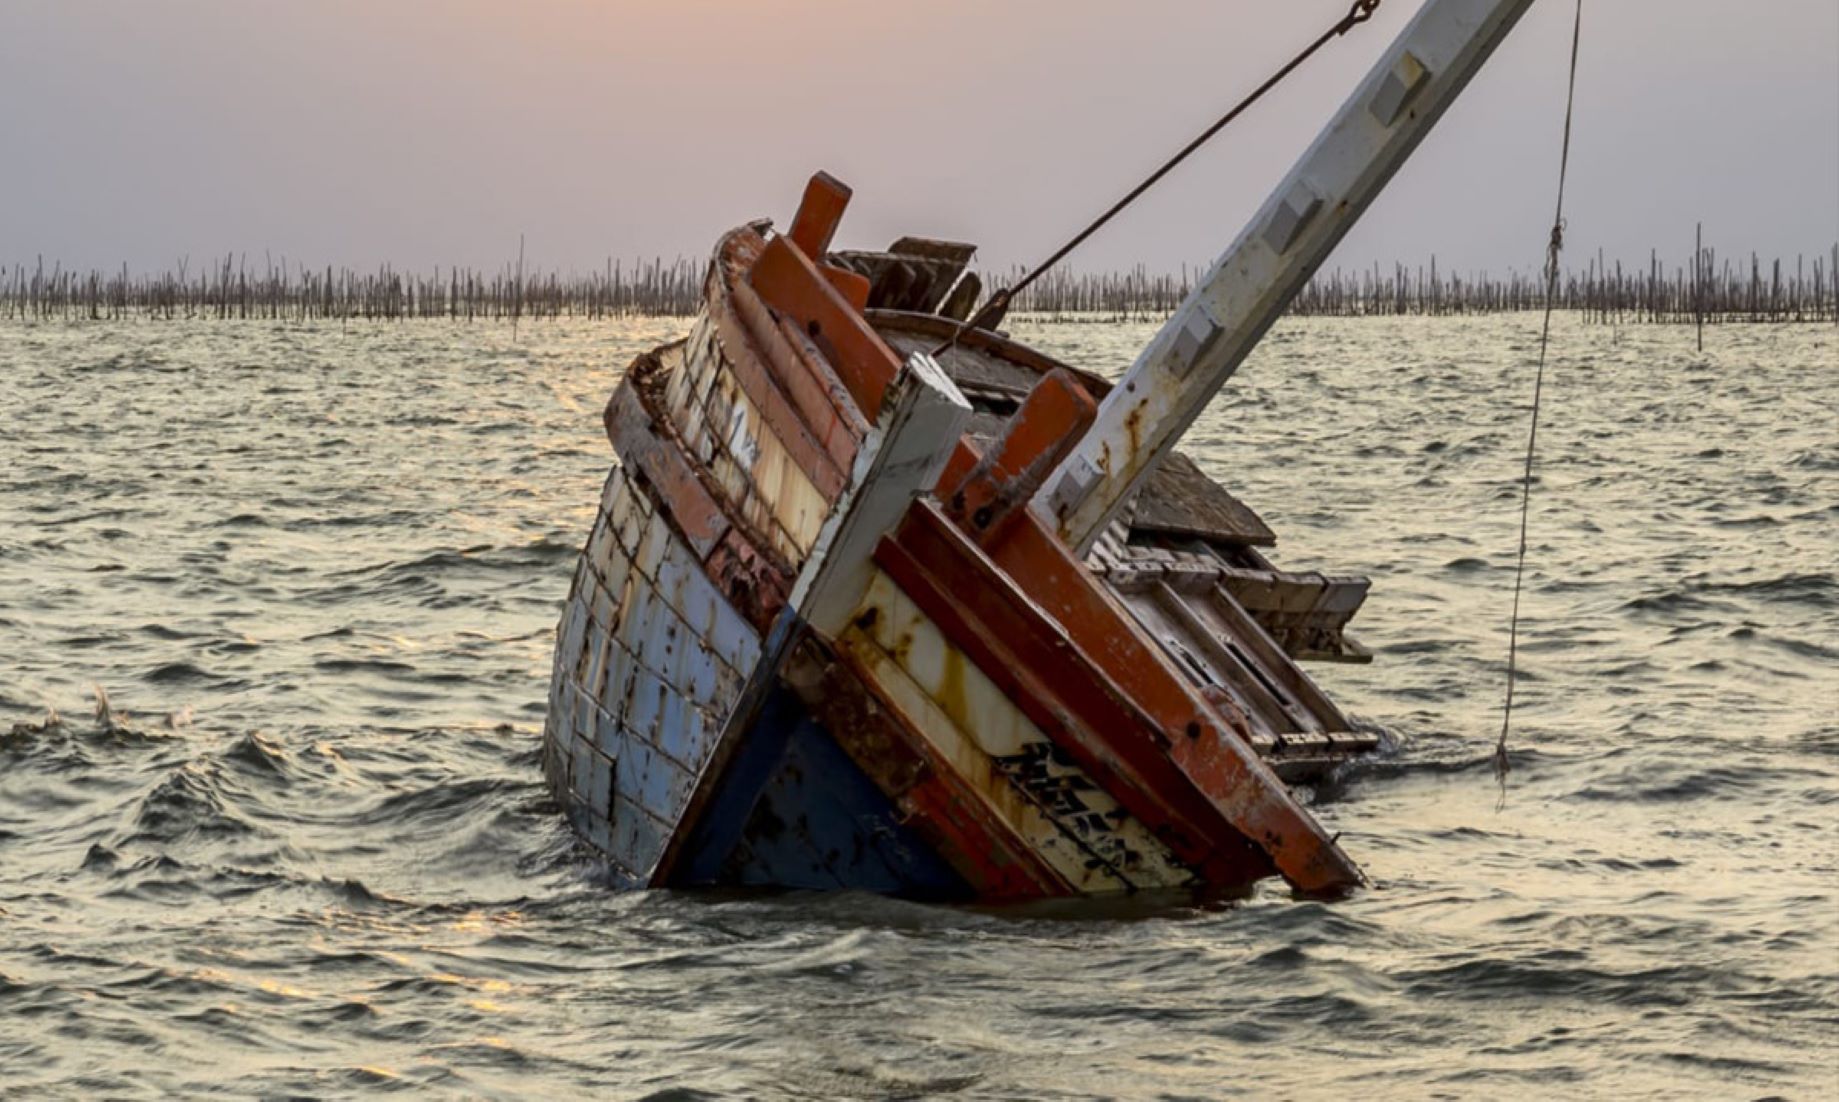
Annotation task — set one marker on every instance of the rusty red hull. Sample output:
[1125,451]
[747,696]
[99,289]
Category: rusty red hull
[819,639]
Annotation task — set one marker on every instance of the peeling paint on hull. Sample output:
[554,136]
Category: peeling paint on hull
[815,640]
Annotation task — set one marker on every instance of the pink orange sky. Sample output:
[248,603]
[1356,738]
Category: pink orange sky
[427,132]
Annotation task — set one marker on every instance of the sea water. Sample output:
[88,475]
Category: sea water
[306,849]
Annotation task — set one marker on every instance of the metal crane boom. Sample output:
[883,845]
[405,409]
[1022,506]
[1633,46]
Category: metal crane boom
[1253,281]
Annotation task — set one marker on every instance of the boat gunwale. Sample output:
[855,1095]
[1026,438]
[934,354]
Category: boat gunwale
[748,351]
[795,389]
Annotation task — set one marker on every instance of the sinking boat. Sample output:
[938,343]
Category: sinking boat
[875,600]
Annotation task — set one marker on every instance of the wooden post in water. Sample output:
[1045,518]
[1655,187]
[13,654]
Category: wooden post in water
[1698,270]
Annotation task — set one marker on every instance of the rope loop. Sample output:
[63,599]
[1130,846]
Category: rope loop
[1361,12]
[1554,247]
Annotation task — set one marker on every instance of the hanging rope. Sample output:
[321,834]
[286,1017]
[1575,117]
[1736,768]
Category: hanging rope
[999,302]
[1552,249]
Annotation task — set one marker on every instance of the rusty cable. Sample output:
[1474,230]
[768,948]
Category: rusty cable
[1360,12]
[1553,246]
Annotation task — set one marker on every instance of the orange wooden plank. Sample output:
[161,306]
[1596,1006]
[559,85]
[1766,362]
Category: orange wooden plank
[1212,757]
[791,285]
[797,409]
[1050,421]
[985,615]
[853,286]
[819,214]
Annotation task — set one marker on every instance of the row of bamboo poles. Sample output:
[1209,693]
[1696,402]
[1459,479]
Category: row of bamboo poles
[232,290]
[1714,290]
[1709,290]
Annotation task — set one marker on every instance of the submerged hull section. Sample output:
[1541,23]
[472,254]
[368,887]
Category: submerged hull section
[817,639]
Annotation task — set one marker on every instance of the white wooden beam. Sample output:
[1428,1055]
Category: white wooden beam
[1252,283]
[921,419]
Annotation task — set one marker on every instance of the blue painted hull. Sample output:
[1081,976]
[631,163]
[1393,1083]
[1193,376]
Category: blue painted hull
[648,682]
[793,811]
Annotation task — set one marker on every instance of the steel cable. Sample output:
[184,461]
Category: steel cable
[998,303]
[1554,246]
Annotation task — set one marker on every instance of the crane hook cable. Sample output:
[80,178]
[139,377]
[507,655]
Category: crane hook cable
[1554,246]
[1359,13]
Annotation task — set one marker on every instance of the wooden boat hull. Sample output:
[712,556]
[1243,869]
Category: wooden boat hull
[817,638]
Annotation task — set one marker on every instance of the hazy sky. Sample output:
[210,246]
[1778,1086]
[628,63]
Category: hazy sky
[353,132]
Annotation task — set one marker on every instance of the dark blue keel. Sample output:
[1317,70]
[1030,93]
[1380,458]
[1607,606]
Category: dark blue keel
[793,811]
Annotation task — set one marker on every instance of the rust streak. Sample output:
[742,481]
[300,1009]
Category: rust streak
[939,804]
[1027,656]
[756,588]
[1232,777]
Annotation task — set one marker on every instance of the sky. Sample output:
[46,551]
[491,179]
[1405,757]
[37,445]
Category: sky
[439,132]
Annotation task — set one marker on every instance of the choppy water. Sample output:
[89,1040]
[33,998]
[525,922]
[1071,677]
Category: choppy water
[317,571]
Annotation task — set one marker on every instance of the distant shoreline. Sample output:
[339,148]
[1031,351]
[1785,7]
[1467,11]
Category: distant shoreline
[1714,290]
